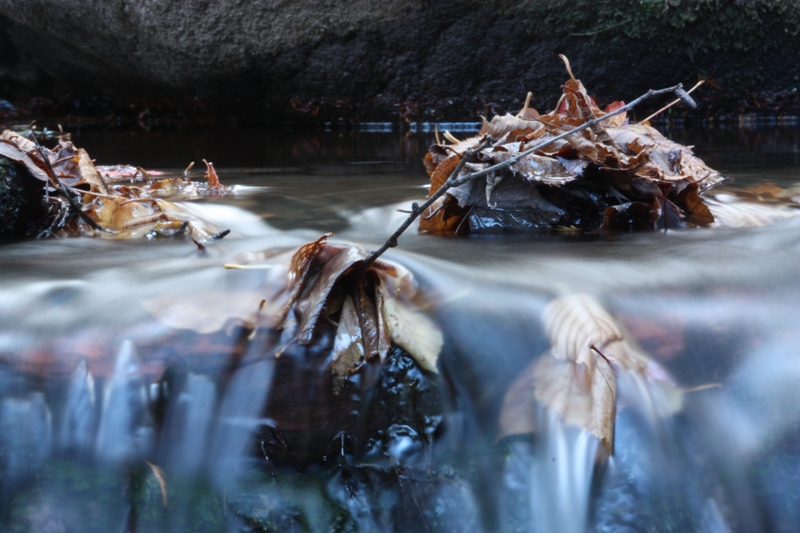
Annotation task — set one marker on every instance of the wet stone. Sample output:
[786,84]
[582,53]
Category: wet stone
[21,203]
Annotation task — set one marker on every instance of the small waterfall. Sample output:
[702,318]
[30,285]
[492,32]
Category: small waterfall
[238,418]
[561,475]
[123,406]
[79,415]
[25,435]
[189,424]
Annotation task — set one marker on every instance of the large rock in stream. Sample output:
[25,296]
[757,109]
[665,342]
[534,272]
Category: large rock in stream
[399,59]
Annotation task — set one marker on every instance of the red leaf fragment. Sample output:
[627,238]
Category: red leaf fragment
[211,176]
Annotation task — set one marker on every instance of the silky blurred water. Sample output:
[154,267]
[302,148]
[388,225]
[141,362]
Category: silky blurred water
[101,408]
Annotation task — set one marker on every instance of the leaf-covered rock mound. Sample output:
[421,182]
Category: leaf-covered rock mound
[614,175]
[61,193]
[372,306]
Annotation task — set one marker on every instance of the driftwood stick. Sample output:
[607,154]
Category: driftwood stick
[690,91]
[417,210]
[455,181]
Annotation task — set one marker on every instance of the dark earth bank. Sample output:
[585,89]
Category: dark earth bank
[400,60]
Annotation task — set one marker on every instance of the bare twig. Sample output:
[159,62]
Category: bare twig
[455,181]
[416,209]
[690,91]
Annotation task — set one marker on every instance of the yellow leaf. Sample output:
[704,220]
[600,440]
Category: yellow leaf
[411,330]
[158,472]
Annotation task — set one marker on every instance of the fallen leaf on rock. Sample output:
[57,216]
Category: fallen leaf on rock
[333,262]
[577,378]
[518,412]
[12,151]
[587,178]
[411,330]
[120,210]
[348,346]
[89,174]
[584,397]
[372,307]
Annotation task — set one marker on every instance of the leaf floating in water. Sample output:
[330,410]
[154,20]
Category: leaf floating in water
[577,378]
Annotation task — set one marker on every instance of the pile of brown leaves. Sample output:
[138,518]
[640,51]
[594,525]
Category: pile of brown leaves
[614,175]
[109,207]
[372,307]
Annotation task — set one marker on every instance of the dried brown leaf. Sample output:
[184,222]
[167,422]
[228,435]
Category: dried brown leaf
[617,120]
[411,330]
[442,172]
[65,162]
[161,478]
[309,307]
[384,336]
[686,195]
[443,217]
[89,174]
[534,167]
[391,316]
[211,176]
[584,397]
[500,126]
[376,341]
[577,323]
[12,151]
[348,346]
[578,381]
[518,412]
[668,160]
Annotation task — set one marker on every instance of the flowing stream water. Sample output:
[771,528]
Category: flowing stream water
[111,419]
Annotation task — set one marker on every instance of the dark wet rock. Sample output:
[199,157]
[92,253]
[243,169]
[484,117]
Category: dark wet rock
[21,202]
[391,409]
[406,59]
